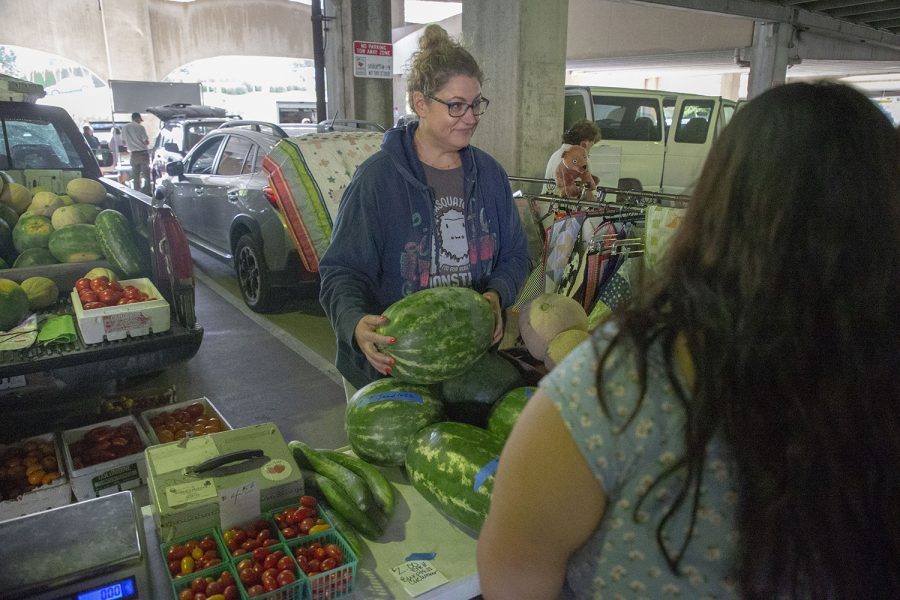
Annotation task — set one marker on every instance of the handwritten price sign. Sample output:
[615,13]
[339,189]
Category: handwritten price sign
[238,505]
[418,576]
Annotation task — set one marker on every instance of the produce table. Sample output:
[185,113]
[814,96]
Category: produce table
[415,527]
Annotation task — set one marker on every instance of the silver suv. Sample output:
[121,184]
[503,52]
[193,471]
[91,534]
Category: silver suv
[181,127]
[223,200]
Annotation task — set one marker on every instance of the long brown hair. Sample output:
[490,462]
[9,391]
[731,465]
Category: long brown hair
[785,281]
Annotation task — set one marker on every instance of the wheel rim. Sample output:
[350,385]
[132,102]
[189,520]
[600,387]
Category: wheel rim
[248,274]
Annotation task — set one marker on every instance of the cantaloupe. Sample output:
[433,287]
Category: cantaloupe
[44,203]
[68,215]
[102,271]
[17,196]
[562,344]
[547,316]
[41,291]
[13,304]
[86,190]
[66,200]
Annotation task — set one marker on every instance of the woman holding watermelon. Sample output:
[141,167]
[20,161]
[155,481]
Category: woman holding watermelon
[427,210]
[735,433]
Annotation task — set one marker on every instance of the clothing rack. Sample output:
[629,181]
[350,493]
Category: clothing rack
[634,199]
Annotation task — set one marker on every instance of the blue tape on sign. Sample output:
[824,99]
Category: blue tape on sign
[398,396]
[485,472]
[529,392]
[421,556]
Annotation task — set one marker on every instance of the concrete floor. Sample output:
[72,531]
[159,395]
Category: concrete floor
[257,368]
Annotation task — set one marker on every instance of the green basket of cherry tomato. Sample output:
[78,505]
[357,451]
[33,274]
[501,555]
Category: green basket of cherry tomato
[218,583]
[300,519]
[327,561]
[270,573]
[193,554]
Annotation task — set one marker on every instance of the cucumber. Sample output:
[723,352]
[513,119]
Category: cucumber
[351,483]
[347,508]
[381,488]
[346,530]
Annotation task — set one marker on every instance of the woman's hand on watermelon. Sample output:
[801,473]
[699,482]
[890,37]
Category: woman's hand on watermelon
[368,341]
[494,299]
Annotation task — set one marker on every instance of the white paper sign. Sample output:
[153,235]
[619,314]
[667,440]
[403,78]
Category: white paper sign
[373,59]
[238,505]
[418,576]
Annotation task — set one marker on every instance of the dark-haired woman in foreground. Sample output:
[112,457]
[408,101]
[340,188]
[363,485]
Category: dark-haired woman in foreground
[736,434]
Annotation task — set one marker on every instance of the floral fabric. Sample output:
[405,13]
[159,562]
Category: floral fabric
[622,559]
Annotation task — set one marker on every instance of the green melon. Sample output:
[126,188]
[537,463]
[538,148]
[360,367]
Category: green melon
[86,190]
[13,304]
[9,214]
[17,196]
[6,240]
[69,215]
[41,291]
[44,203]
[32,231]
[383,417]
[440,333]
[507,410]
[87,212]
[34,256]
[75,243]
[469,396]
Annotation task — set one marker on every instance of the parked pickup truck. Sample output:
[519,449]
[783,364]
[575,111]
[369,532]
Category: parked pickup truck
[659,139]
[42,146]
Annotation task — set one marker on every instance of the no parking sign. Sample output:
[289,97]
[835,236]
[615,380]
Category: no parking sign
[373,59]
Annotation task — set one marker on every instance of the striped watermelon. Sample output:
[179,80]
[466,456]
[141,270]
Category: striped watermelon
[508,409]
[452,465]
[440,333]
[383,417]
[469,396]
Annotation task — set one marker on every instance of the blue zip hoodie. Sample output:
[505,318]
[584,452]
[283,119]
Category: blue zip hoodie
[381,244]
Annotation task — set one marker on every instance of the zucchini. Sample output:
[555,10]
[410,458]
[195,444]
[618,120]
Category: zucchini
[351,483]
[342,504]
[381,488]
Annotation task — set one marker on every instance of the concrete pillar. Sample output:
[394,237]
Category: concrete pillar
[769,56]
[520,46]
[129,40]
[398,14]
[353,97]
[730,86]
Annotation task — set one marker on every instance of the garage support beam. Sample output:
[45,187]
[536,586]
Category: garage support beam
[769,56]
[521,48]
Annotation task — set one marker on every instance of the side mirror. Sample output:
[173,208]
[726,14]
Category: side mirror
[175,168]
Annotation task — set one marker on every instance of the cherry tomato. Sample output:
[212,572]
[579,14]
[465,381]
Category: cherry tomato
[249,577]
[176,552]
[255,590]
[187,565]
[308,501]
[83,284]
[247,563]
[329,564]
[199,585]
[270,562]
[109,296]
[287,532]
[131,292]
[334,551]
[186,594]
[286,577]
[305,525]
[231,592]
[88,296]
[100,283]
[115,285]
[93,305]
[259,554]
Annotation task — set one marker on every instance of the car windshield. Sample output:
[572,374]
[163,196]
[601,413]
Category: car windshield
[36,144]
[196,131]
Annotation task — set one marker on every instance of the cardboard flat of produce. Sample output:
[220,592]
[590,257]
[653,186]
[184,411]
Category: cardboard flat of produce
[309,175]
[186,478]
[126,320]
[15,463]
[206,414]
[113,440]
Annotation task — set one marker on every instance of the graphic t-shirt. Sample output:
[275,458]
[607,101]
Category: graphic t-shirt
[450,251]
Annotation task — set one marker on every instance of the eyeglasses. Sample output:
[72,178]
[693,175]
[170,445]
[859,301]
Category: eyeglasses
[458,109]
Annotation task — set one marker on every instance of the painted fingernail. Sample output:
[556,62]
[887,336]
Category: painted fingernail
[393,340]
[387,370]
[392,361]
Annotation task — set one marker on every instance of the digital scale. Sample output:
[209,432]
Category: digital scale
[91,550]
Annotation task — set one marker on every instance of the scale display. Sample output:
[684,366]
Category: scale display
[116,590]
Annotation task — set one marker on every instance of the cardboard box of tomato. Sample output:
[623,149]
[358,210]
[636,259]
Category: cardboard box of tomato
[142,313]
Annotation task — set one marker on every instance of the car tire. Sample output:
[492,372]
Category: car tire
[253,277]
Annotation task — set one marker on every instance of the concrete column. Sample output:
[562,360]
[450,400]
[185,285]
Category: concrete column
[769,56]
[520,46]
[398,14]
[129,40]
[348,96]
[730,86]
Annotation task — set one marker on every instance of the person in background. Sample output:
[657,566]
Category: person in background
[735,433]
[427,210]
[115,141]
[138,145]
[584,133]
[90,138]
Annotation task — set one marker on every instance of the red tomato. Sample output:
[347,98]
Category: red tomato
[314,566]
[334,551]
[231,592]
[208,543]
[131,292]
[255,590]
[88,296]
[115,285]
[270,562]
[93,305]
[83,284]
[320,553]
[199,585]
[226,578]
[285,563]
[329,564]
[288,532]
[109,296]
[100,283]
[308,501]
[270,542]
[247,563]
[304,512]
[259,554]
[215,587]
[285,578]
[186,594]
[249,577]
[305,525]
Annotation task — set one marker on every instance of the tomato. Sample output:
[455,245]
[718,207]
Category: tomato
[186,594]
[308,501]
[115,285]
[83,284]
[247,563]
[199,585]
[259,554]
[255,590]
[287,533]
[176,552]
[304,512]
[329,564]
[131,292]
[100,283]
[93,305]
[109,296]
[306,524]
[248,576]
[187,565]
[285,563]
[286,577]
[88,296]
[314,566]
[270,562]
[208,543]
[231,592]
[263,535]
[334,551]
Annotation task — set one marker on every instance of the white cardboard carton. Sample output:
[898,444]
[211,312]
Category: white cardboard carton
[209,410]
[53,495]
[119,322]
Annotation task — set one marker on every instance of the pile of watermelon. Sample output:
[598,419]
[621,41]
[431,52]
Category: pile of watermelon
[447,410]
[40,228]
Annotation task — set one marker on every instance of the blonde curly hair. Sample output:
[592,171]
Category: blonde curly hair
[438,59]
